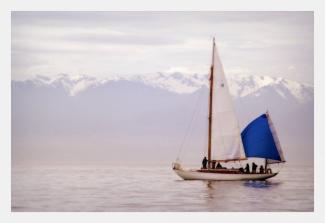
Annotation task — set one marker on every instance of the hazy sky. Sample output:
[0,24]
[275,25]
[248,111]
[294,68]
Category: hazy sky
[105,43]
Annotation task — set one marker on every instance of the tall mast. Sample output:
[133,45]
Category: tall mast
[210,104]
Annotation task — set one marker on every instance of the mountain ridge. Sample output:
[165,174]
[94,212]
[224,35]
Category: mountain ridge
[181,83]
[86,118]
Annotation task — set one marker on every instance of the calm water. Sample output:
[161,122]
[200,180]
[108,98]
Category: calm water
[154,189]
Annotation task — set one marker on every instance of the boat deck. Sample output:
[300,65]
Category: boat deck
[224,170]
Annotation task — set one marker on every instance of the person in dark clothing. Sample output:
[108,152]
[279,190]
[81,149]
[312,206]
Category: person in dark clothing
[254,167]
[204,163]
[241,170]
[247,168]
[261,169]
[219,165]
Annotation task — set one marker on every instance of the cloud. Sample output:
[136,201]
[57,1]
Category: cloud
[121,38]
[102,43]
[187,70]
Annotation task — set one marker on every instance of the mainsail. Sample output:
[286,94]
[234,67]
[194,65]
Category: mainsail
[260,140]
[226,142]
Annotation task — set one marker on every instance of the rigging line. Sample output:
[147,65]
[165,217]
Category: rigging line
[189,127]
[194,123]
[203,139]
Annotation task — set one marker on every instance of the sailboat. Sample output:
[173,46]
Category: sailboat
[225,141]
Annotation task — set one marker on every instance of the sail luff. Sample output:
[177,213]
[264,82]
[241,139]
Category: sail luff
[210,103]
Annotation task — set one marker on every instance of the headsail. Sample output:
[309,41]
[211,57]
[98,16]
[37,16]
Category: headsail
[260,140]
[276,139]
[226,142]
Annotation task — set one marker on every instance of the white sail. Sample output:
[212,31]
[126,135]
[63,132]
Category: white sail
[224,142]
[276,140]
[226,139]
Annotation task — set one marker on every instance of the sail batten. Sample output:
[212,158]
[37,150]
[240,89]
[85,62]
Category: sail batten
[226,142]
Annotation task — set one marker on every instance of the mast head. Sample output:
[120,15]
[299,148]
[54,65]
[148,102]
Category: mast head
[213,49]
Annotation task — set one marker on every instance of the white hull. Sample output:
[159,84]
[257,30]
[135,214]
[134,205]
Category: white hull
[197,175]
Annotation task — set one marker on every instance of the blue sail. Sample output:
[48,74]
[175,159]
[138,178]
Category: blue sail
[258,140]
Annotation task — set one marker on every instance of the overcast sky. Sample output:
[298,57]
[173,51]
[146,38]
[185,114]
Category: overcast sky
[105,43]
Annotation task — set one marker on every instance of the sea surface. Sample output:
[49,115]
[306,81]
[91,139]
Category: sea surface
[146,189]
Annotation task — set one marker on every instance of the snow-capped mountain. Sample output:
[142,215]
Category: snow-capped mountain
[240,85]
[56,116]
